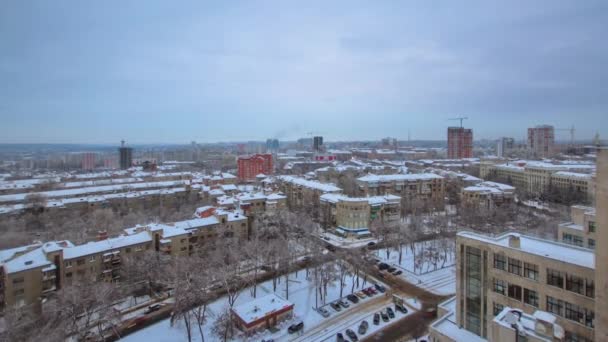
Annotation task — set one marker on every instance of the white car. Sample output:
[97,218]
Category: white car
[323,312]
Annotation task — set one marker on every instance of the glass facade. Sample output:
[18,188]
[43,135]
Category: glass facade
[473,314]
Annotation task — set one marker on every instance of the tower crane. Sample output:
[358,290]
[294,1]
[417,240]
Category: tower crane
[460,118]
[571,130]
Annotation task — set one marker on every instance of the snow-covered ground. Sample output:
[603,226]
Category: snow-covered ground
[302,294]
[430,265]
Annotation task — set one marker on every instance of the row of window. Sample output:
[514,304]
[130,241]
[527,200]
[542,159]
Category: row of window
[574,283]
[555,278]
[556,306]
[514,266]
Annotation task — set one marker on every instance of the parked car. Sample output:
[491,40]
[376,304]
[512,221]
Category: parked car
[367,292]
[295,327]
[344,303]
[391,269]
[323,312]
[384,316]
[383,266]
[336,306]
[390,312]
[152,308]
[351,334]
[353,298]
[340,337]
[371,243]
[363,327]
[361,294]
[372,290]
[398,272]
[380,288]
[376,319]
[400,308]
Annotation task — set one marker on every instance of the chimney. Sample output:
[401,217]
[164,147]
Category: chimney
[102,235]
[514,240]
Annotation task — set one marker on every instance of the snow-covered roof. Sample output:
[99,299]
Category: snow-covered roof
[448,326]
[324,187]
[32,259]
[228,187]
[261,307]
[583,176]
[106,245]
[372,178]
[372,200]
[541,247]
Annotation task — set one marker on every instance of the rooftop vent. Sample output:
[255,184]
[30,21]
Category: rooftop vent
[514,241]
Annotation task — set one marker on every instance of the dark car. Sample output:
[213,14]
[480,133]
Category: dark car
[336,306]
[380,288]
[401,308]
[351,334]
[340,337]
[390,312]
[295,327]
[384,316]
[376,319]
[353,298]
[152,308]
[368,292]
[363,327]
[398,272]
[372,290]
[383,266]
[391,269]
[371,243]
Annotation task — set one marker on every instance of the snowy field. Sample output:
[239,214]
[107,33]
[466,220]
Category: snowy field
[302,294]
[428,264]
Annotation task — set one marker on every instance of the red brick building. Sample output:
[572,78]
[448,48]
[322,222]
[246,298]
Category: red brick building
[460,143]
[251,166]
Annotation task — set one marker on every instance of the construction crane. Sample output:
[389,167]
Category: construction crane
[571,130]
[460,118]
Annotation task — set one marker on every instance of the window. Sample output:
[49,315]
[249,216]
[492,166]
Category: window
[572,337]
[68,263]
[500,262]
[531,297]
[590,288]
[530,271]
[554,306]
[498,308]
[80,262]
[92,258]
[515,292]
[515,266]
[589,316]
[500,286]
[575,313]
[19,292]
[555,278]
[68,275]
[591,227]
[128,250]
[591,243]
[18,280]
[575,284]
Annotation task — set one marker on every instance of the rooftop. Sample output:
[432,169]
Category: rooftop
[261,307]
[541,247]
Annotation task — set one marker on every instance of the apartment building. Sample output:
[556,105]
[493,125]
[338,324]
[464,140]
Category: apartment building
[353,216]
[581,230]
[487,196]
[420,186]
[541,140]
[460,143]
[540,177]
[301,192]
[251,166]
[526,273]
[30,272]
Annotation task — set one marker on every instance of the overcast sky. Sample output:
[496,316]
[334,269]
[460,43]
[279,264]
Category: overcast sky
[176,71]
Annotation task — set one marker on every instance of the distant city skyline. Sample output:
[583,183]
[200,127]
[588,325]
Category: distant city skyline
[154,72]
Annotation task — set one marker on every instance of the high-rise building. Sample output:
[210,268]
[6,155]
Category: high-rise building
[251,166]
[601,250]
[541,140]
[272,145]
[126,156]
[460,142]
[88,160]
[504,145]
[317,143]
